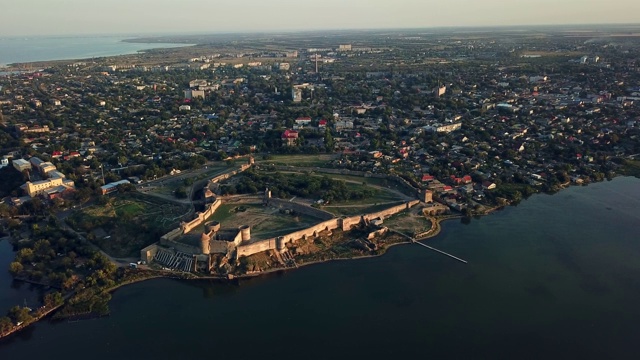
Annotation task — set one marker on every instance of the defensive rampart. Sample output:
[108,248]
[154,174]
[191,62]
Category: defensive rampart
[246,249]
[391,211]
[172,235]
[300,208]
[188,249]
[229,174]
[200,217]
[345,224]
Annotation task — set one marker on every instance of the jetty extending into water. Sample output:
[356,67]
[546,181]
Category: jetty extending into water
[439,251]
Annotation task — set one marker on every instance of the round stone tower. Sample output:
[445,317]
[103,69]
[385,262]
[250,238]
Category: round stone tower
[205,246]
[211,226]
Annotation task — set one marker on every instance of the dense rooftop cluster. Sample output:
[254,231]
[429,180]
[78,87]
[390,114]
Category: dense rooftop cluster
[461,116]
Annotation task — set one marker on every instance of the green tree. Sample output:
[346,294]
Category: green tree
[328,140]
[5,324]
[15,268]
[53,299]
[19,314]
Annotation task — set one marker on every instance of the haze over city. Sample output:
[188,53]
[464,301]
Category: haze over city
[73,17]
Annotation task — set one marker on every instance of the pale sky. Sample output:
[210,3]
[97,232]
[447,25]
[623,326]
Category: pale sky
[76,17]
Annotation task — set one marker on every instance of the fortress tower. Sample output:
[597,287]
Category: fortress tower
[205,245]
[427,196]
[245,233]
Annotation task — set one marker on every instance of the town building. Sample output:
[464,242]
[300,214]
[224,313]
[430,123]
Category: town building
[296,94]
[111,187]
[49,186]
[21,165]
[4,162]
[193,94]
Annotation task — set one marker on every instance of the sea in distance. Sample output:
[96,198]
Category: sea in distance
[557,276]
[44,48]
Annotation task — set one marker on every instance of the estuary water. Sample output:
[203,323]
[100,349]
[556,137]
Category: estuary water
[558,276]
[14,293]
[44,48]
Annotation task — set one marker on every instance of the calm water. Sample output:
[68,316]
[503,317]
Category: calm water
[14,293]
[556,277]
[28,49]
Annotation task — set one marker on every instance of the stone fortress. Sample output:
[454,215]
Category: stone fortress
[232,244]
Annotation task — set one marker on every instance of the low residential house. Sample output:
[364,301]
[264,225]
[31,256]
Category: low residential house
[289,137]
[488,185]
[303,121]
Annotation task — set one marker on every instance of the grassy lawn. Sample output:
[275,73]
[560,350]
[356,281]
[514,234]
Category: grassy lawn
[409,222]
[130,209]
[224,212]
[360,179]
[357,183]
[320,160]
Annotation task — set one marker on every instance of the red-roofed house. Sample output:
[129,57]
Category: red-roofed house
[427,177]
[322,123]
[289,137]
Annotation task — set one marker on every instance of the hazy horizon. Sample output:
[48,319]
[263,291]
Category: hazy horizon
[76,17]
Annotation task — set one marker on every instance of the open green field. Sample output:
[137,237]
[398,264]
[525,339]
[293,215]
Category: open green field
[346,178]
[320,160]
[409,222]
[378,186]
[384,183]
[125,223]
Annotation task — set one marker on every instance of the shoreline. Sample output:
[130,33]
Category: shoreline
[18,67]
[438,229]
[433,232]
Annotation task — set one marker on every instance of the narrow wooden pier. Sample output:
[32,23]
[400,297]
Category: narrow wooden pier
[440,251]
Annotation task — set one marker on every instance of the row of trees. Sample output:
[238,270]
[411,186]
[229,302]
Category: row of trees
[18,315]
[303,185]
